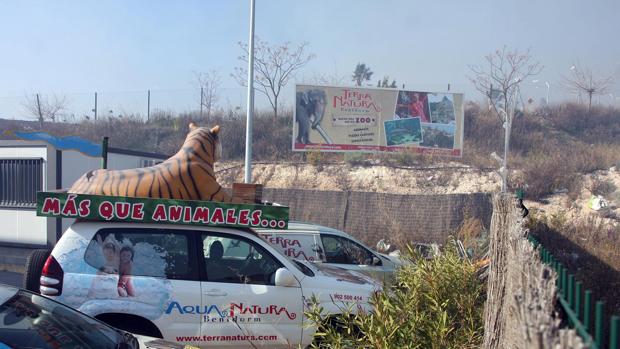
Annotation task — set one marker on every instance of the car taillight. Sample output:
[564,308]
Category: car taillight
[51,278]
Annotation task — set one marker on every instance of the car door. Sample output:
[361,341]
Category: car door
[146,272]
[242,307]
[348,254]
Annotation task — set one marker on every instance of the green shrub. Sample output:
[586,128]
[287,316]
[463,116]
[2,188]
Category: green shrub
[435,303]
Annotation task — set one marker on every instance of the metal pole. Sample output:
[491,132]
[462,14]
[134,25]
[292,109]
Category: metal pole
[250,106]
[104,153]
[564,283]
[613,333]
[39,110]
[148,105]
[578,295]
[571,290]
[587,310]
[598,324]
[95,106]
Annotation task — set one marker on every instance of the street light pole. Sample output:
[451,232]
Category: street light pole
[250,105]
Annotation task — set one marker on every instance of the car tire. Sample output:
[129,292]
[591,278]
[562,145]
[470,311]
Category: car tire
[34,266]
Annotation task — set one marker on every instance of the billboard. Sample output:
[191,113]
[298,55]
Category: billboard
[352,119]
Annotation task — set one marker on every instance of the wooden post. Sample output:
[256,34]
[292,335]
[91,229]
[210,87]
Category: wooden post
[521,291]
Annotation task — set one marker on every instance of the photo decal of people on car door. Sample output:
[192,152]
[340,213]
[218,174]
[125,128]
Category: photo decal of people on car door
[117,260]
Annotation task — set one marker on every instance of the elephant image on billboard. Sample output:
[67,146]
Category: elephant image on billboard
[310,109]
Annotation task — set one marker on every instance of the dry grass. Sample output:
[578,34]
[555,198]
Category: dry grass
[551,146]
[588,247]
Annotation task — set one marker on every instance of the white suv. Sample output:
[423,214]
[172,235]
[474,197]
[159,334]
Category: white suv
[324,245]
[203,286]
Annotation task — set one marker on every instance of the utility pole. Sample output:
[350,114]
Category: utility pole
[39,110]
[201,100]
[250,105]
[148,105]
[95,110]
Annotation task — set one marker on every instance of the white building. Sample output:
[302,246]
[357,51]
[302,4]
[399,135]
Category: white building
[30,166]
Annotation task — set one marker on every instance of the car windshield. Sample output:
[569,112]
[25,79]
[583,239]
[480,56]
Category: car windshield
[28,320]
[304,268]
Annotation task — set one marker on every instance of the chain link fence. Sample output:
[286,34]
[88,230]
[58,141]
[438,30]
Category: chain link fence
[373,216]
[75,107]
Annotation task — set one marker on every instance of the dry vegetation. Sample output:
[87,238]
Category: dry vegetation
[554,150]
[550,146]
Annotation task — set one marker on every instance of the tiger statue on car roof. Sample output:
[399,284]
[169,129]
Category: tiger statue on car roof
[188,175]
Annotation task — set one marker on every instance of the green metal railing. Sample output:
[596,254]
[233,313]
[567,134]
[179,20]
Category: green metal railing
[577,305]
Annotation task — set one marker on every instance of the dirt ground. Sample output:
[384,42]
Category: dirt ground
[581,206]
[445,178]
[449,178]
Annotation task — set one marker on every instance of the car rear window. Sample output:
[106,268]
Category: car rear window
[296,246]
[32,321]
[142,252]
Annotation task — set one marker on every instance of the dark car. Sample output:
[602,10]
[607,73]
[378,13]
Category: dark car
[29,320]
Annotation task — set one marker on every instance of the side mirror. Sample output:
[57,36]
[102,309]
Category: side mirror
[376,261]
[285,278]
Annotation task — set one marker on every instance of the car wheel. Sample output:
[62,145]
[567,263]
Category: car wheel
[34,266]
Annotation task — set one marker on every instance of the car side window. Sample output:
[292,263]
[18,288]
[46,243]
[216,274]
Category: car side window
[341,250]
[237,260]
[130,252]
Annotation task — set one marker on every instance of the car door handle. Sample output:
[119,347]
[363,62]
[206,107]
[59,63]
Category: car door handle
[215,292]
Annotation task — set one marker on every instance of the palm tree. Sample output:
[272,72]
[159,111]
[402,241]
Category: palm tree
[362,73]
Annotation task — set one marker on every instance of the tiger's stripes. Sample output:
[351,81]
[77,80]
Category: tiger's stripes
[188,175]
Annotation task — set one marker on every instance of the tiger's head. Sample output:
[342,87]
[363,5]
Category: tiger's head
[207,139]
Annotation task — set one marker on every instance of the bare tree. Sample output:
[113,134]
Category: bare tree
[582,80]
[361,73]
[327,79]
[499,82]
[45,108]
[274,66]
[209,84]
[385,82]
[333,79]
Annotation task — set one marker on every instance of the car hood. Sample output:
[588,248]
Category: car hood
[329,279]
[397,261]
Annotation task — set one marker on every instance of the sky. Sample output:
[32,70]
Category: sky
[121,49]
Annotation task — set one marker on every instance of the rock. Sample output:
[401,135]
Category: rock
[597,202]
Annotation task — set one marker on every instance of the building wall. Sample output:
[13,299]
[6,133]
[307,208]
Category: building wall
[21,225]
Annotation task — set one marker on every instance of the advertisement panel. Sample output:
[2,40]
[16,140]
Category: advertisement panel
[352,119]
[146,210]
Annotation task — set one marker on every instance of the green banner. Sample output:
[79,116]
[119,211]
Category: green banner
[146,210]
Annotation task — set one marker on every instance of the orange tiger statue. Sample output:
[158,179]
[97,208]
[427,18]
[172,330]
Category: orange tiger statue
[188,175]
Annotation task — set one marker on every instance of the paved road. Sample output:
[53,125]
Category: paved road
[10,278]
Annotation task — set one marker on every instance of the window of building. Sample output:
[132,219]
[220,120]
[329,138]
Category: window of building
[20,179]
